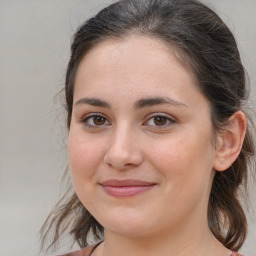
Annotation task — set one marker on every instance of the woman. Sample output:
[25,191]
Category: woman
[159,144]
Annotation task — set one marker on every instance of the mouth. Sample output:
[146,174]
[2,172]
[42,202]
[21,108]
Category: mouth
[126,188]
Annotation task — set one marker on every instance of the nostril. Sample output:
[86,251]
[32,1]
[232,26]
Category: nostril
[123,159]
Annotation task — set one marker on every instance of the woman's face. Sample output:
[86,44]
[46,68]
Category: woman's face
[140,146]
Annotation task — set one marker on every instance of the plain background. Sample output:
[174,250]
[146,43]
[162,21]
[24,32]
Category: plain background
[35,37]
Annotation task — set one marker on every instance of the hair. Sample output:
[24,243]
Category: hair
[206,46]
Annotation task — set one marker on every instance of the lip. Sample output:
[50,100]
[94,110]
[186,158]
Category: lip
[126,188]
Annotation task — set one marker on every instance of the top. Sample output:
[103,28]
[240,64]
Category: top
[89,250]
[84,252]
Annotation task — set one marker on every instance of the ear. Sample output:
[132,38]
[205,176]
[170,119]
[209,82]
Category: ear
[230,141]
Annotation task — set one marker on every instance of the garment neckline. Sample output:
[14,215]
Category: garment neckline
[96,245]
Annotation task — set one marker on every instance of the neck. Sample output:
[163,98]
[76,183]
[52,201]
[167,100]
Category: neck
[193,242]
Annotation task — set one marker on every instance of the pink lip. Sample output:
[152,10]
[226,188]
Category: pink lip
[126,188]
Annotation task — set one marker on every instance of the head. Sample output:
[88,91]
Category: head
[200,45]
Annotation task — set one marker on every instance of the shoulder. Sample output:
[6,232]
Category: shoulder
[83,252]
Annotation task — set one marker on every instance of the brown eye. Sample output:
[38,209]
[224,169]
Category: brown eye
[99,120]
[160,120]
[95,120]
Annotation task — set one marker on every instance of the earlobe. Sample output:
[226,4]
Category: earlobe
[230,141]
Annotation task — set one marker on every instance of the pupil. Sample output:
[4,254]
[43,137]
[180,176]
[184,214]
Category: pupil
[160,120]
[99,120]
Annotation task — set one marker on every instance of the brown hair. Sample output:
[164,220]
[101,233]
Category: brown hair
[207,46]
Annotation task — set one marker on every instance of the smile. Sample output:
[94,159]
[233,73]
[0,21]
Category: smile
[126,188]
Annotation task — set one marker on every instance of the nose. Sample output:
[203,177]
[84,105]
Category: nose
[124,151]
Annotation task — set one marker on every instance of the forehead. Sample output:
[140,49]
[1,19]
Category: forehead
[126,54]
[142,65]
[132,47]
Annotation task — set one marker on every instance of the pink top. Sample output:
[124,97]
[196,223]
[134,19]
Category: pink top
[89,250]
[236,254]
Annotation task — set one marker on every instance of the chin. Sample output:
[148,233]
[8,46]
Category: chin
[127,223]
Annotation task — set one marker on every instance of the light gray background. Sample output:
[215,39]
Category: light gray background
[35,37]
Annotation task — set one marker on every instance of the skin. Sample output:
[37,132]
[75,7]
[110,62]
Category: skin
[174,152]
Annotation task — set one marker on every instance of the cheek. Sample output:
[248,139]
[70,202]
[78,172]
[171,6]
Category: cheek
[84,158]
[173,153]
[184,159]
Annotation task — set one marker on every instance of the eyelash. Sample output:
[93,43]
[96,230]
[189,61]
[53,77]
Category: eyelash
[166,117]
[85,120]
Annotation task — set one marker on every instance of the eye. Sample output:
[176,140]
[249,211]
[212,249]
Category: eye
[160,120]
[95,120]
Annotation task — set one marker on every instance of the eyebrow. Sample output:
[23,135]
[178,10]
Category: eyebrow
[141,103]
[93,102]
[146,102]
